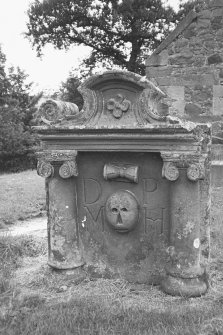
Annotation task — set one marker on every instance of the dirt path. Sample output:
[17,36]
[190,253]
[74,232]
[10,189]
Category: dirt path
[36,226]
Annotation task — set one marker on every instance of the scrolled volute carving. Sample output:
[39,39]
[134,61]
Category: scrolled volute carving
[52,111]
[170,171]
[193,164]
[195,171]
[68,169]
[45,169]
[65,158]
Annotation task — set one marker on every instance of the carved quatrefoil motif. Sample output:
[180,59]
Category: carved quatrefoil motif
[118,105]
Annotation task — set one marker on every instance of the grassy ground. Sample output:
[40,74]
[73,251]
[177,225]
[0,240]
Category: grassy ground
[42,301]
[34,299]
[22,195]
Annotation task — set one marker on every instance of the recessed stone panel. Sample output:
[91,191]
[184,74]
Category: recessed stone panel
[144,203]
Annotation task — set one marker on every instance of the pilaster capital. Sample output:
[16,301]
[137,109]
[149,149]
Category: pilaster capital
[47,158]
[194,164]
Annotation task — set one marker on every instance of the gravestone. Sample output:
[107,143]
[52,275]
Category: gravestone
[127,185]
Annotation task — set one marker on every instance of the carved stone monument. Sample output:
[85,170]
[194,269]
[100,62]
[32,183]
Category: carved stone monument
[127,185]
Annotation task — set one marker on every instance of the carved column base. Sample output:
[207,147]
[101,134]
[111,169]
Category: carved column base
[66,265]
[185,287]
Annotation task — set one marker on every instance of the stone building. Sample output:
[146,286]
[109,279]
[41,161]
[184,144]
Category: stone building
[188,66]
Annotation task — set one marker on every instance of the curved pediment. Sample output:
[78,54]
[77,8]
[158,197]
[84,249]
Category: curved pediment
[114,99]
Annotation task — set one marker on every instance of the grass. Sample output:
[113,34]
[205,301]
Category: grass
[99,306]
[34,299]
[22,196]
[12,250]
[114,307]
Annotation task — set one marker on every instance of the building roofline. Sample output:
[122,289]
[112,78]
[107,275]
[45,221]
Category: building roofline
[191,16]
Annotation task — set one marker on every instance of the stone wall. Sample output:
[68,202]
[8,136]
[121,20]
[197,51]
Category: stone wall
[188,66]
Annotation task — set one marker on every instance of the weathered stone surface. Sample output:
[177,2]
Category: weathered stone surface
[121,171]
[193,110]
[203,23]
[176,95]
[216,3]
[215,59]
[218,100]
[160,59]
[52,110]
[185,228]
[202,79]
[185,57]
[195,56]
[204,14]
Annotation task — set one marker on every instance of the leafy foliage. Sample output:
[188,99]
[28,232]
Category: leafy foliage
[16,109]
[121,32]
[69,92]
[186,7]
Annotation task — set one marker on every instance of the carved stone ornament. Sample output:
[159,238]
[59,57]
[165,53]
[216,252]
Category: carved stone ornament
[67,157]
[118,105]
[45,169]
[193,163]
[68,169]
[57,155]
[195,172]
[112,171]
[52,111]
[170,171]
[115,92]
[122,211]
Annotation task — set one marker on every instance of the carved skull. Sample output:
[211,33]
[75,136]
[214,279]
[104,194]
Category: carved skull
[122,211]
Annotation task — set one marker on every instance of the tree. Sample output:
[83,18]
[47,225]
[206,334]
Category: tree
[17,106]
[121,32]
[69,92]
[186,7]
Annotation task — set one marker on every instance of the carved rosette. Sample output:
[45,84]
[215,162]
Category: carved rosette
[46,159]
[170,171]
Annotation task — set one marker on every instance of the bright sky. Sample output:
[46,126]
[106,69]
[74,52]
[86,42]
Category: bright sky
[54,67]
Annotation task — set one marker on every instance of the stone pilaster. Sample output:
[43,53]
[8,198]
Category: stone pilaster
[59,167]
[185,276]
